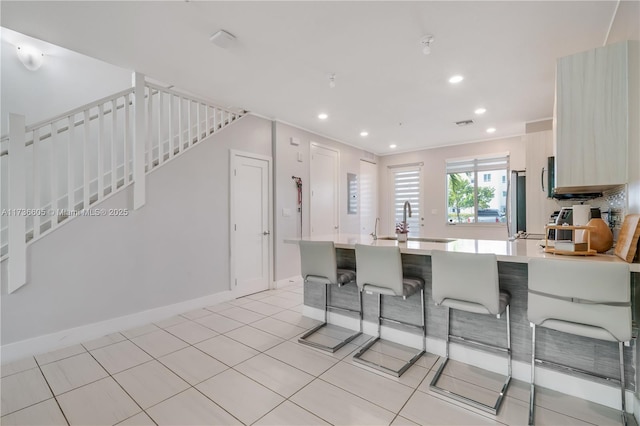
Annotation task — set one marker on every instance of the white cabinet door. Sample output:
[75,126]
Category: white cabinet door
[539,146]
[592,90]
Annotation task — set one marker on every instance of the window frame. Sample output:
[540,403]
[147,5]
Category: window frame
[477,165]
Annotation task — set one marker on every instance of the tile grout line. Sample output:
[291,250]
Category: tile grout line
[121,387]
[314,377]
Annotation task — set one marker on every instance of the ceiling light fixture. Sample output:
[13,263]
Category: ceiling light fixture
[426,44]
[491,130]
[393,146]
[364,133]
[456,79]
[223,39]
[480,111]
[323,116]
[332,80]
[30,57]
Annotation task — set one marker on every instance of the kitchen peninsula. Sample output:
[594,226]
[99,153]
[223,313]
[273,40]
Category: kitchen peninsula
[513,256]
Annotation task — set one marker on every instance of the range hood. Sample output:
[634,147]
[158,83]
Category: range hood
[581,192]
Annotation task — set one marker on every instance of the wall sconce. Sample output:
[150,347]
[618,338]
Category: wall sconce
[30,57]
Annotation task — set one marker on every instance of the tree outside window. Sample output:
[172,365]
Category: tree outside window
[472,201]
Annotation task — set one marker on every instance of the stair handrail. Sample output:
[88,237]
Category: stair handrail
[66,114]
[192,98]
[138,120]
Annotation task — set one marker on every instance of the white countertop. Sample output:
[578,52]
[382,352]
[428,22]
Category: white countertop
[518,251]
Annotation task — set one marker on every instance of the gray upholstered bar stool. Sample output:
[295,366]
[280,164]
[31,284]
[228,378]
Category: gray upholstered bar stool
[319,266]
[380,272]
[469,282]
[589,299]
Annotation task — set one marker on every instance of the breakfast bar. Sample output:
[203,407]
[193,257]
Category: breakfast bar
[587,354]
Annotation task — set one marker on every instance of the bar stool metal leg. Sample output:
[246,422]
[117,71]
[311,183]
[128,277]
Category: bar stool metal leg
[303,339]
[358,356]
[532,392]
[493,409]
[622,383]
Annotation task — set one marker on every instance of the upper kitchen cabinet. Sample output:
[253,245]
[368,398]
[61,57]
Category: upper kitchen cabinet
[596,110]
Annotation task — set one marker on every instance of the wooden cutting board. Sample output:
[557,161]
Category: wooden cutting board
[628,238]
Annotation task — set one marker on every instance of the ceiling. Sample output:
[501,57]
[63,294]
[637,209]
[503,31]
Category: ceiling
[279,66]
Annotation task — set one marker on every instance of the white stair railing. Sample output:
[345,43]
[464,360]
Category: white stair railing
[60,168]
[178,121]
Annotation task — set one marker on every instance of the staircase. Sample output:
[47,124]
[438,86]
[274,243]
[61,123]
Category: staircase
[63,167]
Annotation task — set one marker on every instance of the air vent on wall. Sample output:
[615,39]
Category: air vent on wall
[464,123]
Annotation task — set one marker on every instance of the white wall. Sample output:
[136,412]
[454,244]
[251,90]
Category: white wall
[287,257]
[634,128]
[65,81]
[174,249]
[434,186]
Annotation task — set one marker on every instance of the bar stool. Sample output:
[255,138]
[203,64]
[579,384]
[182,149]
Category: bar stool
[380,272]
[319,266]
[469,282]
[586,299]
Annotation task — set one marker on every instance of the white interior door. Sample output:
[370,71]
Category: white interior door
[324,191]
[250,223]
[368,197]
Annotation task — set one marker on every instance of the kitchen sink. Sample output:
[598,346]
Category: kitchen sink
[422,240]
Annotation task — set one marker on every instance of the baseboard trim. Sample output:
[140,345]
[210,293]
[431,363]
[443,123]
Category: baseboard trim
[72,336]
[575,386]
[285,282]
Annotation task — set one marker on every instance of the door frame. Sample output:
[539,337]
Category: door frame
[233,155]
[337,187]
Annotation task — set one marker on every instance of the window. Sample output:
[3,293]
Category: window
[471,201]
[405,183]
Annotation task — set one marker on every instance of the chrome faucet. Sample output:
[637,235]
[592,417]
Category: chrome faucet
[404,213]
[374,234]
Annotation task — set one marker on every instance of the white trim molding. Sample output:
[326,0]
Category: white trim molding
[84,333]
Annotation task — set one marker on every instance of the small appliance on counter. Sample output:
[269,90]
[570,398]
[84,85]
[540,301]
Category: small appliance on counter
[565,216]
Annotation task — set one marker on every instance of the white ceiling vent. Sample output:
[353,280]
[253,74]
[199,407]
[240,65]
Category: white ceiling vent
[223,39]
[464,123]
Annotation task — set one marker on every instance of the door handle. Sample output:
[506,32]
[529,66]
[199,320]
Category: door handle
[542,179]
[266,233]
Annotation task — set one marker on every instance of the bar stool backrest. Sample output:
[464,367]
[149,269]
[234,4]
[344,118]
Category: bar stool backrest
[318,262]
[380,267]
[568,295]
[467,277]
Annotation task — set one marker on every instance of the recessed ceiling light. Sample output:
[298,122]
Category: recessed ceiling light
[456,79]
[364,133]
[491,130]
[323,116]
[393,145]
[480,111]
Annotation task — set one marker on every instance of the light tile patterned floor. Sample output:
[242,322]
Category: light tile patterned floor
[240,363]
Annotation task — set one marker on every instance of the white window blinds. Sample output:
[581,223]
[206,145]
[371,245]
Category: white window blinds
[478,164]
[406,187]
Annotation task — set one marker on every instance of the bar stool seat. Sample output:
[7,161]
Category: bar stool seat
[409,286]
[380,273]
[588,299]
[504,298]
[319,266]
[469,282]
